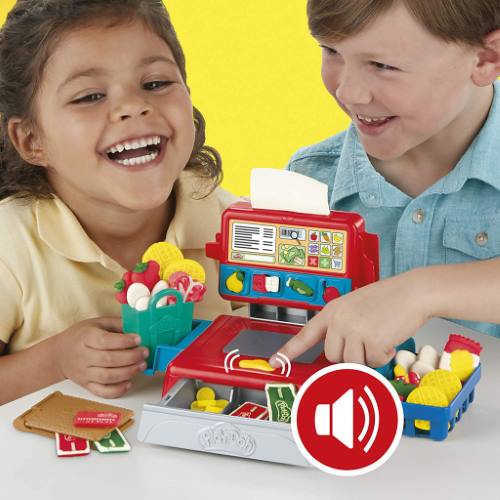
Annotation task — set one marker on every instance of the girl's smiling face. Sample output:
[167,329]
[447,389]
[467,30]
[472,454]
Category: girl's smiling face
[400,85]
[114,117]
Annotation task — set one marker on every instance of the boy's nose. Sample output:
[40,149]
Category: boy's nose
[353,90]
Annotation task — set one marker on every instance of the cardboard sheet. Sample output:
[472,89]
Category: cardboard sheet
[55,414]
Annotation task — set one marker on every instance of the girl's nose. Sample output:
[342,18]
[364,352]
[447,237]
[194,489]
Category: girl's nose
[130,107]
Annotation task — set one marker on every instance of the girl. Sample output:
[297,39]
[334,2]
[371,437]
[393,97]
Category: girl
[102,154]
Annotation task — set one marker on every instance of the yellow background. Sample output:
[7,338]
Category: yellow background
[254,72]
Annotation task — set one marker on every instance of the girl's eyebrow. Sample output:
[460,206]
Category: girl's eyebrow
[94,72]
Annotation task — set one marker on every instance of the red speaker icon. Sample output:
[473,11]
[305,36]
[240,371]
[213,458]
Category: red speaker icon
[347,419]
[337,419]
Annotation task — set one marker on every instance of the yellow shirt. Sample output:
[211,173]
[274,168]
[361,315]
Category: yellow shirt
[53,275]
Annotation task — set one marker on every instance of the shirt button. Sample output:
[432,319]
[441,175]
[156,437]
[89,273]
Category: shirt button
[481,238]
[418,216]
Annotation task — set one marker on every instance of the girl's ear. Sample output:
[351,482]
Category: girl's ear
[26,142]
[487,68]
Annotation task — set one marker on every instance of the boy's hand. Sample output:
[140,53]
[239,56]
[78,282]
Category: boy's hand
[92,354]
[365,325]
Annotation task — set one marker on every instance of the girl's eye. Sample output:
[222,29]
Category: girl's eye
[157,84]
[382,66]
[89,98]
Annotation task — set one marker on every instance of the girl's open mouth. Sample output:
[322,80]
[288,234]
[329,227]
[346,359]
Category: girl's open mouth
[137,152]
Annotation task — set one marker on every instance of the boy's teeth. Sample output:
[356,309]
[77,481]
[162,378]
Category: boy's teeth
[139,160]
[372,120]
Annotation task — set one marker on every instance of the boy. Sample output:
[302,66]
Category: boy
[419,162]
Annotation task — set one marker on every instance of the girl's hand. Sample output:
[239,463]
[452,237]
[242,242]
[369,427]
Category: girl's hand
[94,355]
[365,325]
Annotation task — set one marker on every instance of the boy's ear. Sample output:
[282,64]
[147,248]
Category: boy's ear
[487,68]
[26,142]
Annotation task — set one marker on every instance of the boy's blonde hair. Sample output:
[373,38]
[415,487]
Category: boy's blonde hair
[32,29]
[459,21]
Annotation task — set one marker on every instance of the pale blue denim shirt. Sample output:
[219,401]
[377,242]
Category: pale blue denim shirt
[457,219]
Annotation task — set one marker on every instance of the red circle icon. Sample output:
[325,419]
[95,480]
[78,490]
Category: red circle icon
[347,419]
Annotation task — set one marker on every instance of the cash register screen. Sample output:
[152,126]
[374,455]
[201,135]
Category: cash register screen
[263,344]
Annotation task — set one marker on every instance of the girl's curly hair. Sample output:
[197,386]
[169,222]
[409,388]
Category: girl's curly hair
[27,39]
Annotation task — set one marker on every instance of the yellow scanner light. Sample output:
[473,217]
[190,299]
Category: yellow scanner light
[256,364]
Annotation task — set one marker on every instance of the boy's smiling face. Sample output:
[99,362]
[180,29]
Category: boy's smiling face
[403,87]
[115,117]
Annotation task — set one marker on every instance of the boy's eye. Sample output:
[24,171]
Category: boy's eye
[157,84]
[329,50]
[89,98]
[382,66]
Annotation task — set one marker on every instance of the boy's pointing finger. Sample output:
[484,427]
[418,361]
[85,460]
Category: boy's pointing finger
[310,335]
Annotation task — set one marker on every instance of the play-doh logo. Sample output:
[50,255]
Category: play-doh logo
[347,419]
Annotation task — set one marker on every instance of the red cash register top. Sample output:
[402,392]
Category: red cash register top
[209,359]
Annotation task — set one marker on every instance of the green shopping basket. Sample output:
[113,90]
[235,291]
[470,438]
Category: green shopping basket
[164,325]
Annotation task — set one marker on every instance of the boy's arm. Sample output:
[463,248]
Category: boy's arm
[364,326]
[468,291]
[27,371]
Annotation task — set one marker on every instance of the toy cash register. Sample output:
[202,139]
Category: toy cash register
[286,265]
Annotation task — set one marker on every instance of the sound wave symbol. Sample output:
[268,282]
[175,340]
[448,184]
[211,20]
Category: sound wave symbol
[286,366]
[376,418]
[230,358]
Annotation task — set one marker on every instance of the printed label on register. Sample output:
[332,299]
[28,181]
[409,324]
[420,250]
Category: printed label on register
[286,246]
[253,238]
[292,233]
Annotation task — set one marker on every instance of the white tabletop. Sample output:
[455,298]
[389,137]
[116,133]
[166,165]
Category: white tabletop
[464,466]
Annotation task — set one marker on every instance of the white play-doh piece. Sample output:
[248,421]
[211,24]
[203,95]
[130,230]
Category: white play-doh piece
[421,368]
[405,359]
[429,356]
[135,292]
[444,362]
[142,304]
[161,285]
[162,302]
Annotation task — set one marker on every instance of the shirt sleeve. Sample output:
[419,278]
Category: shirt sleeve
[11,317]
[225,198]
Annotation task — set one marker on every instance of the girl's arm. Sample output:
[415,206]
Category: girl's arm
[93,353]
[27,371]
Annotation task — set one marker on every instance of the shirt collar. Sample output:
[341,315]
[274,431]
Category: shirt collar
[356,175]
[194,223]
[59,228]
